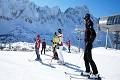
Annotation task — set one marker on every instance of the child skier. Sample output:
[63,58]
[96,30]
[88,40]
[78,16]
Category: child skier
[60,43]
[54,41]
[37,46]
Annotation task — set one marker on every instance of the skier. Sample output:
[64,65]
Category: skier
[37,46]
[54,41]
[60,43]
[90,35]
[68,46]
[43,46]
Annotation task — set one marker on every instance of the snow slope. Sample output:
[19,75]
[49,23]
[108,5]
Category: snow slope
[15,65]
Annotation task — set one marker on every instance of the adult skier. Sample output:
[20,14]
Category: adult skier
[43,46]
[54,41]
[90,35]
[68,46]
[60,43]
[37,46]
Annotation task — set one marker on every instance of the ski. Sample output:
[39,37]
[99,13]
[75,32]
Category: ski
[47,59]
[33,60]
[72,74]
[79,76]
[75,76]
[84,77]
[94,78]
[55,63]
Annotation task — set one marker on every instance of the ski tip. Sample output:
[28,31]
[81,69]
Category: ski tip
[99,78]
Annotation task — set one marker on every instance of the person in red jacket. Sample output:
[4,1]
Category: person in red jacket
[68,46]
[37,46]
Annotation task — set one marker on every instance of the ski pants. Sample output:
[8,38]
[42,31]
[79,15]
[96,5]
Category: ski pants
[43,48]
[37,53]
[69,48]
[88,59]
[60,56]
[55,53]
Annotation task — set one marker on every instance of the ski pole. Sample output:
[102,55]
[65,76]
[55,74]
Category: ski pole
[31,57]
[52,57]
[78,62]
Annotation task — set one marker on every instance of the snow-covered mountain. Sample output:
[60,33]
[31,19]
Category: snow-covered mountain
[22,20]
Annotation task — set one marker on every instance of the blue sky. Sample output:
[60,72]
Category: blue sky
[98,8]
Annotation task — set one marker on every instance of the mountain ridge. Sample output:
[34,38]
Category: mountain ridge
[23,20]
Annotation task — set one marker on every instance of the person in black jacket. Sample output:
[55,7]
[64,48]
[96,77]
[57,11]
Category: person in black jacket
[90,35]
[43,46]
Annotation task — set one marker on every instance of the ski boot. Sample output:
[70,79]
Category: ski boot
[94,76]
[85,73]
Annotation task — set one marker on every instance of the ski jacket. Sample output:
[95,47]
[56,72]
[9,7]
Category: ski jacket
[37,44]
[55,41]
[68,43]
[43,44]
[60,39]
[90,33]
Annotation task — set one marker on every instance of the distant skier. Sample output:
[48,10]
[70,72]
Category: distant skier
[37,46]
[68,46]
[54,41]
[43,46]
[90,35]
[60,43]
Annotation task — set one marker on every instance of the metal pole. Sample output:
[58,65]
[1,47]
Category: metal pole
[79,31]
[107,38]
[79,42]
[110,41]
[116,41]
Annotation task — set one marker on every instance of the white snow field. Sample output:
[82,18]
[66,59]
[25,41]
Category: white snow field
[14,65]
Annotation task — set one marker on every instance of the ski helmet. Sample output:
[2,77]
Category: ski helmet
[59,30]
[38,36]
[87,16]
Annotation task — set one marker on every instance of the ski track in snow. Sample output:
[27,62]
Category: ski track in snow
[15,65]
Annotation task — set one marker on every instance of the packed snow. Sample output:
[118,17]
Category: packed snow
[15,65]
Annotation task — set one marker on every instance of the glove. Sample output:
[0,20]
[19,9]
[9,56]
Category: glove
[86,43]
[91,41]
[58,44]
[37,48]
